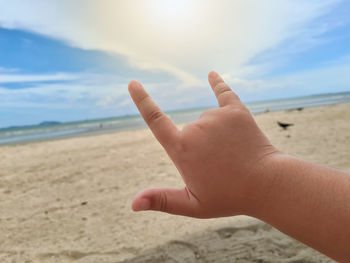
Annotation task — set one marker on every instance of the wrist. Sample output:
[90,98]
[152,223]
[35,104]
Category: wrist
[264,186]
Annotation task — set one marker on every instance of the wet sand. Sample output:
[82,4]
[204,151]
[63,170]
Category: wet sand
[69,200]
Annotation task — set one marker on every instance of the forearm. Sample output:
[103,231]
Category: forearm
[310,203]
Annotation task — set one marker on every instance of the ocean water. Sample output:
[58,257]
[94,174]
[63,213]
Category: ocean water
[48,131]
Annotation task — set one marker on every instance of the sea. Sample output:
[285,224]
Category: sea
[54,130]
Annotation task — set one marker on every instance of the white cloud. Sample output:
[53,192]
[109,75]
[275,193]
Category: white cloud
[333,78]
[330,77]
[65,90]
[110,92]
[8,70]
[17,78]
[88,89]
[223,35]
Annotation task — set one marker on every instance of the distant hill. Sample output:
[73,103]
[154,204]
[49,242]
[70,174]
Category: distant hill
[49,123]
[44,123]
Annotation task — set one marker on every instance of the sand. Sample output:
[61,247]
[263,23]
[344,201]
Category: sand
[69,200]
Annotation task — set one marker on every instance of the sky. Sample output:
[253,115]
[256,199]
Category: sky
[69,60]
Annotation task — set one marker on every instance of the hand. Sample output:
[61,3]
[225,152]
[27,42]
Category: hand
[222,157]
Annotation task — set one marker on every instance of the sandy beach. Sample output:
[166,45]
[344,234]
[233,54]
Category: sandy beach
[69,200]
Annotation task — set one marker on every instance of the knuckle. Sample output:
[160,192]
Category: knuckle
[240,114]
[222,88]
[163,202]
[154,115]
[236,113]
[143,100]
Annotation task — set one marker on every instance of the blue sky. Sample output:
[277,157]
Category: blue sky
[78,68]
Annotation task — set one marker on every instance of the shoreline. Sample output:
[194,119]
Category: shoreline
[140,126]
[53,130]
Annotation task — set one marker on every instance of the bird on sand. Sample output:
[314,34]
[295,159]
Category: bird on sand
[284,125]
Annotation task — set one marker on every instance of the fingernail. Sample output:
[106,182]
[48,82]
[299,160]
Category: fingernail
[134,84]
[143,204]
[213,74]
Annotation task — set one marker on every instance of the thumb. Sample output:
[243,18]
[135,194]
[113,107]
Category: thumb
[172,201]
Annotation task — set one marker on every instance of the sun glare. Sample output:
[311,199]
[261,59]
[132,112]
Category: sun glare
[172,8]
[173,12]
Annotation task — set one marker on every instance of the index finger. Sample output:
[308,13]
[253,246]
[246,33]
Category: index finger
[161,126]
[223,92]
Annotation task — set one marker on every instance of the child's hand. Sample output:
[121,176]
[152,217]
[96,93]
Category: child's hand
[229,168]
[222,157]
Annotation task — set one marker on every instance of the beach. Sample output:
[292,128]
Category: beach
[70,200]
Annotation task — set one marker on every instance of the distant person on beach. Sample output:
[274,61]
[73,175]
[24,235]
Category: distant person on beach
[230,168]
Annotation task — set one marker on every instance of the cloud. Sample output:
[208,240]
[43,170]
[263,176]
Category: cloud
[7,70]
[330,77]
[223,36]
[61,88]
[17,78]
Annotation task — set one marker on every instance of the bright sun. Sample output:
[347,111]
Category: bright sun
[174,13]
[172,8]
